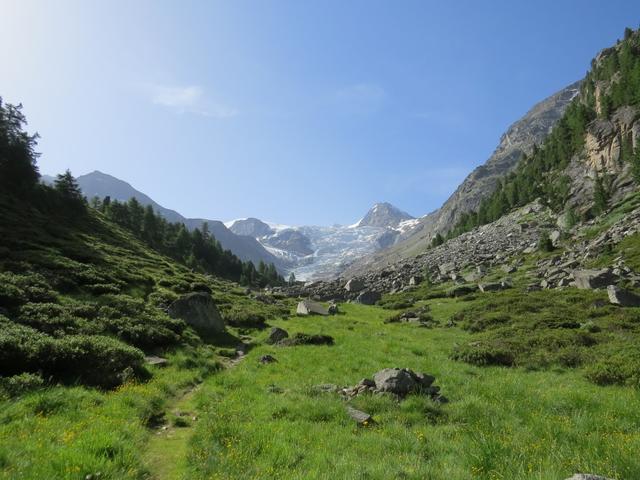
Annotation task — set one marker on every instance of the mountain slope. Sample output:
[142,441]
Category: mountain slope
[519,139]
[98,184]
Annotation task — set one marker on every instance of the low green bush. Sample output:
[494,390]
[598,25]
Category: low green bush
[94,360]
[18,385]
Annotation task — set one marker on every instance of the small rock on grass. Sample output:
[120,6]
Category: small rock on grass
[361,417]
[264,359]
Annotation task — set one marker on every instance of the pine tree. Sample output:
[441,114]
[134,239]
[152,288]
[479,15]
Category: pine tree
[292,278]
[18,171]
[69,191]
[67,186]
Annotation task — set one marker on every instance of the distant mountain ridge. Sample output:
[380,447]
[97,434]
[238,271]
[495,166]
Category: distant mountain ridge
[99,184]
[316,252]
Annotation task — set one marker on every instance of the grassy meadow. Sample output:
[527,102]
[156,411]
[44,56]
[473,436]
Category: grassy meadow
[267,421]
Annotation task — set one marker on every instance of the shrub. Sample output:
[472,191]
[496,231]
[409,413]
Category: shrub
[53,319]
[145,330]
[96,360]
[244,318]
[479,353]
[16,290]
[17,385]
[306,339]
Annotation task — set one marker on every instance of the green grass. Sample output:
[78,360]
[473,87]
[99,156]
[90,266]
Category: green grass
[266,421]
[71,432]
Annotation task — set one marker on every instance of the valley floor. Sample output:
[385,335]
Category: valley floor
[267,421]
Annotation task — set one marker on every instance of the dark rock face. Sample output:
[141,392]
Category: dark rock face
[591,279]
[368,297]
[621,297]
[276,335]
[198,310]
[354,285]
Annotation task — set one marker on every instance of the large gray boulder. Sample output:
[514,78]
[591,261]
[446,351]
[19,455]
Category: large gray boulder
[276,334]
[307,307]
[395,380]
[368,297]
[591,279]
[621,297]
[354,285]
[198,310]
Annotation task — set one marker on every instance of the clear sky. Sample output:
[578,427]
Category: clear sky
[299,112]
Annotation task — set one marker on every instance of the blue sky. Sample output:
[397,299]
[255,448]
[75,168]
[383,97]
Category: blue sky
[298,112]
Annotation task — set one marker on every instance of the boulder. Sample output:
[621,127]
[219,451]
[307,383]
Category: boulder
[198,310]
[361,417]
[621,297]
[265,359]
[368,297]
[493,286]
[506,268]
[395,380]
[307,307]
[415,280]
[354,285]
[276,335]
[554,237]
[461,290]
[446,268]
[333,309]
[591,279]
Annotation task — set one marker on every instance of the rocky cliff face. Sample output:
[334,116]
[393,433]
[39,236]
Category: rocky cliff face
[519,139]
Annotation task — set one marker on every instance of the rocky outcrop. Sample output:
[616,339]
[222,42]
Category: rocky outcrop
[621,297]
[276,335]
[307,307]
[198,310]
[398,382]
[591,279]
